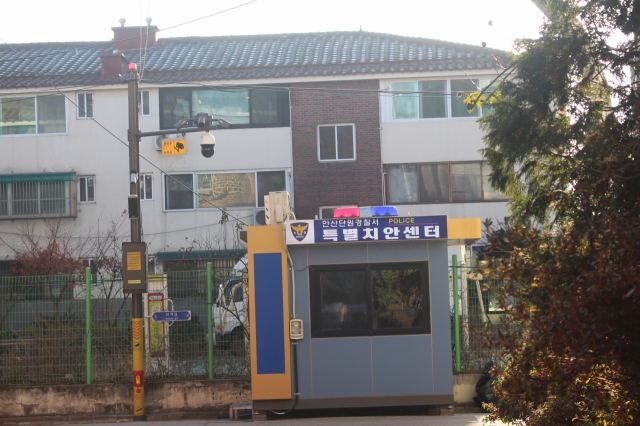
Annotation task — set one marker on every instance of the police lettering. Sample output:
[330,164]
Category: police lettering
[400,220]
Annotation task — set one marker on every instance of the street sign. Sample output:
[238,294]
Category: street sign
[172,316]
[174,147]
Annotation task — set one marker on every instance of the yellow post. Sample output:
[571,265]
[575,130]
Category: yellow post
[138,369]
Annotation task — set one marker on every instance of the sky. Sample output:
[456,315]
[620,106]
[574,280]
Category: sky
[461,21]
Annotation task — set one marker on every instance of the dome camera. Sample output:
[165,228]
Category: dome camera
[207,144]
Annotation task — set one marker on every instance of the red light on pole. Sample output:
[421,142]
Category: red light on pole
[133,67]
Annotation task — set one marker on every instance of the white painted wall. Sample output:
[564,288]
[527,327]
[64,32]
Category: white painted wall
[88,149]
[434,140]
[427,141]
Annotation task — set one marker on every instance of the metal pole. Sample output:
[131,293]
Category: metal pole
[210,317]
[136,298]
[456,317]
[87,318]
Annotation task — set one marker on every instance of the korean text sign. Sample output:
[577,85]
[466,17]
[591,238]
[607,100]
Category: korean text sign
[364,230]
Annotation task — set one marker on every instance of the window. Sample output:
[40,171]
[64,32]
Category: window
[336,142]
[375,299]
[440,183]
[405,98]
[87,189]
[433,99]
[144,107]
[222,190]
[232,105]
[459,91]
[226,190]
[178,193]
[41,115]
[85,105]
[146,186]
[37,196]
[240,107]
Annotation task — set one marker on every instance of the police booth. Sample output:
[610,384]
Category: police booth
[352,312]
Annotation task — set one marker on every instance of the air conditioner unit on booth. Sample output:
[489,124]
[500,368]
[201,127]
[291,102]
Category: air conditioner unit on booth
[276,207]
[258,217]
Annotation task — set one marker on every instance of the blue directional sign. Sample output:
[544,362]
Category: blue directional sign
[171,316]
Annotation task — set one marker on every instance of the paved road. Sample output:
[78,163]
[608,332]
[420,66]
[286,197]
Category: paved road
[457,420]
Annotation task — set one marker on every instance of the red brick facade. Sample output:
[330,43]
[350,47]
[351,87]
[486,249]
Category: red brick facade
[318,183]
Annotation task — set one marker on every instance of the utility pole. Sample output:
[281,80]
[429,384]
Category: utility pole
[134,257]
[137,312]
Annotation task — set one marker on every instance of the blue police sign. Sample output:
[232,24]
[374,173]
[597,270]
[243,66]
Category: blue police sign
[171,316]
[367,229]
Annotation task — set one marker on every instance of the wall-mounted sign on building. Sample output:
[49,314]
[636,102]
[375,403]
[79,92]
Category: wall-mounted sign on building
[174,147]
[365,230]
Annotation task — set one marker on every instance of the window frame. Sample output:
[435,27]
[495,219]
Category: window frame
[143,187]
[164,192]
[283,99]
[45,204]
[82,107]
[36,118]
[142,104]
[195,175]
[448,98]
[483,198]
[315,300]
[85,177]
[335,126]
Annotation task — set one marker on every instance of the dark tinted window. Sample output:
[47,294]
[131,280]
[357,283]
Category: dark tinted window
[360,300]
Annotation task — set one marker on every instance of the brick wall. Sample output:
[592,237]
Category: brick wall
[317,183]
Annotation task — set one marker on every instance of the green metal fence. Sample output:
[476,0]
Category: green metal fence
[480,315]
[45,337]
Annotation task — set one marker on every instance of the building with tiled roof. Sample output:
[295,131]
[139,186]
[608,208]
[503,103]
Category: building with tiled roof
[277,56]
[336,119]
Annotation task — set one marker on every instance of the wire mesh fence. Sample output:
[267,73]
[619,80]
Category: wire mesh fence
[481,313]
[44,334]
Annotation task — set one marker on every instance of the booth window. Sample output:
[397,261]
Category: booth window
[373,299]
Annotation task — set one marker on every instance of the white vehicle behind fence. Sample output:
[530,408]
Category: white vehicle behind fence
[230,307]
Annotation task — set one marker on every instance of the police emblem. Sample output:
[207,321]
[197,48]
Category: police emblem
[299,230]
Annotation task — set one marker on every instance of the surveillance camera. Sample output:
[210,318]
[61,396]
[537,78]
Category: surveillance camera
[180,124]
[207,144]
[224,123]
[203,119]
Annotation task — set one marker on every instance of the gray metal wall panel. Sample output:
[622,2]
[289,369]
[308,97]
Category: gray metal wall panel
[331,254]
[341,367]
[299,257]
[440,318]
[402,365]
[398,252]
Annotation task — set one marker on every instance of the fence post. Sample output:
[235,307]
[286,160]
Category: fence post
[456,318]
[88,329]
[210,317]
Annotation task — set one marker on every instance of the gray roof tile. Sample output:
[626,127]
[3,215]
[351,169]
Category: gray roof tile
[243,57]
